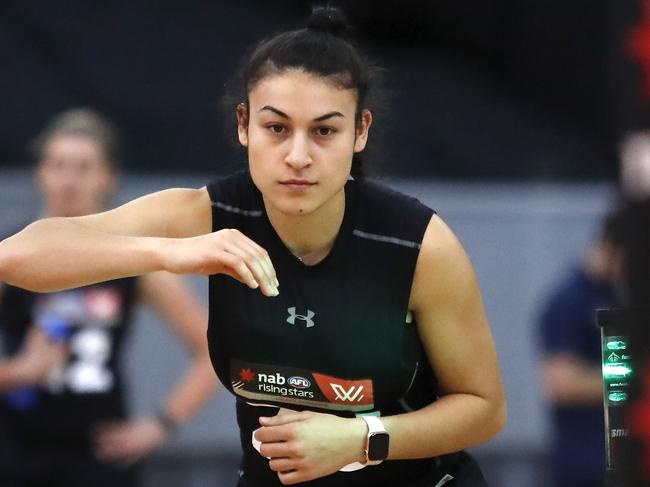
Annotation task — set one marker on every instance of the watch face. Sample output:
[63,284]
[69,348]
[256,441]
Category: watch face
[377,446]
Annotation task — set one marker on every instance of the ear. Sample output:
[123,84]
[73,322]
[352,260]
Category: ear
[242,124]
[361,137]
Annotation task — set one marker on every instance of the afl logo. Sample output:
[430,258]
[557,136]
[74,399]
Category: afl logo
[299,382]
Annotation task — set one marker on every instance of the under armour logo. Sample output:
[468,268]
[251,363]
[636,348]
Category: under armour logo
[352,394]
[306,318]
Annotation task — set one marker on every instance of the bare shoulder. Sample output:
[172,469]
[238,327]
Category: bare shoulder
[174,213]
[444,272]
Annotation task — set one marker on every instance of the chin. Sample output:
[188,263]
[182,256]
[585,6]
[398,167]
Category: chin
[294,207]
[295,210]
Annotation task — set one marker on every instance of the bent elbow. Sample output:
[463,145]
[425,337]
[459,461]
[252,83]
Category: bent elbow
[500,417]
[14,269]
[495,420]
[8,263]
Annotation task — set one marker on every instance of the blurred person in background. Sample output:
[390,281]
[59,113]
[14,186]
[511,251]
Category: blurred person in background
[571,359]
[64,411]
[635,166]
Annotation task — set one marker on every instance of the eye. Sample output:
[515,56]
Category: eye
[276,128]
[325,131]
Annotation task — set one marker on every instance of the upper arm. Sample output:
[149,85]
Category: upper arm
[173,213]
[452,324]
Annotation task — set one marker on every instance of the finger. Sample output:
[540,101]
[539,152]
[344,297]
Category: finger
[118,429]
[265,259]
[291,477]
[273,434]
[113,434]
[257,259]
[282,464]
[260,254]
[111,440]
[113,446]
[236,267]
[262,257]
[249,274]
[121,452]
[280,419]
[275,450]
[242,248]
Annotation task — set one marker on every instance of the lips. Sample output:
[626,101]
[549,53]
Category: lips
[297,183]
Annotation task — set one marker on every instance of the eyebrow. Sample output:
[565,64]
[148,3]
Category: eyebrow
[317,119]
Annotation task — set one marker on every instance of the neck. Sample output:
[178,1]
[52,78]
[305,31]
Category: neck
[309,237]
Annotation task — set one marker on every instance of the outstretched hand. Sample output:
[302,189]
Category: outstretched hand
[305,445]
[127,442]
[228,252]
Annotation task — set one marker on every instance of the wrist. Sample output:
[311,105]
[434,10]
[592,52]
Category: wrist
[156,252]
[166,421]
[377,440]
[360,433]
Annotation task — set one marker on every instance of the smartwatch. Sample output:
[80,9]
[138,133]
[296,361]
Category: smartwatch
[376,441]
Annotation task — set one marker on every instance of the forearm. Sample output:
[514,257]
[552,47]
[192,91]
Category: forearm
[450,424]
[192,391]
[56,253]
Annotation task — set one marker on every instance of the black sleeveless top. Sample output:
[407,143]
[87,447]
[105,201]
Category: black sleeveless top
[88,389]
[337,339]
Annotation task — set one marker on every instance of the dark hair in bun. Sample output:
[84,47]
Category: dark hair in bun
[322,49]
[328,19]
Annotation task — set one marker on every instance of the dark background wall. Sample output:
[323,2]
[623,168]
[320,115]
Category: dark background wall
[487,89]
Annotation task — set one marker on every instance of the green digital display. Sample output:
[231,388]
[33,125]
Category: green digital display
[616,345]
[617,370]
[617,396]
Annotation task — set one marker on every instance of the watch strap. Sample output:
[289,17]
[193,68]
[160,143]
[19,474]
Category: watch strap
[374,426]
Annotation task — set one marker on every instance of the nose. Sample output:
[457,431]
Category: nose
[298,156]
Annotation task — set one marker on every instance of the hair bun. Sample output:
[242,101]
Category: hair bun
[328,19]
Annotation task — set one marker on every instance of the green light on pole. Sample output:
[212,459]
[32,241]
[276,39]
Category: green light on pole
[616,371]
[617,396]
[616,345]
